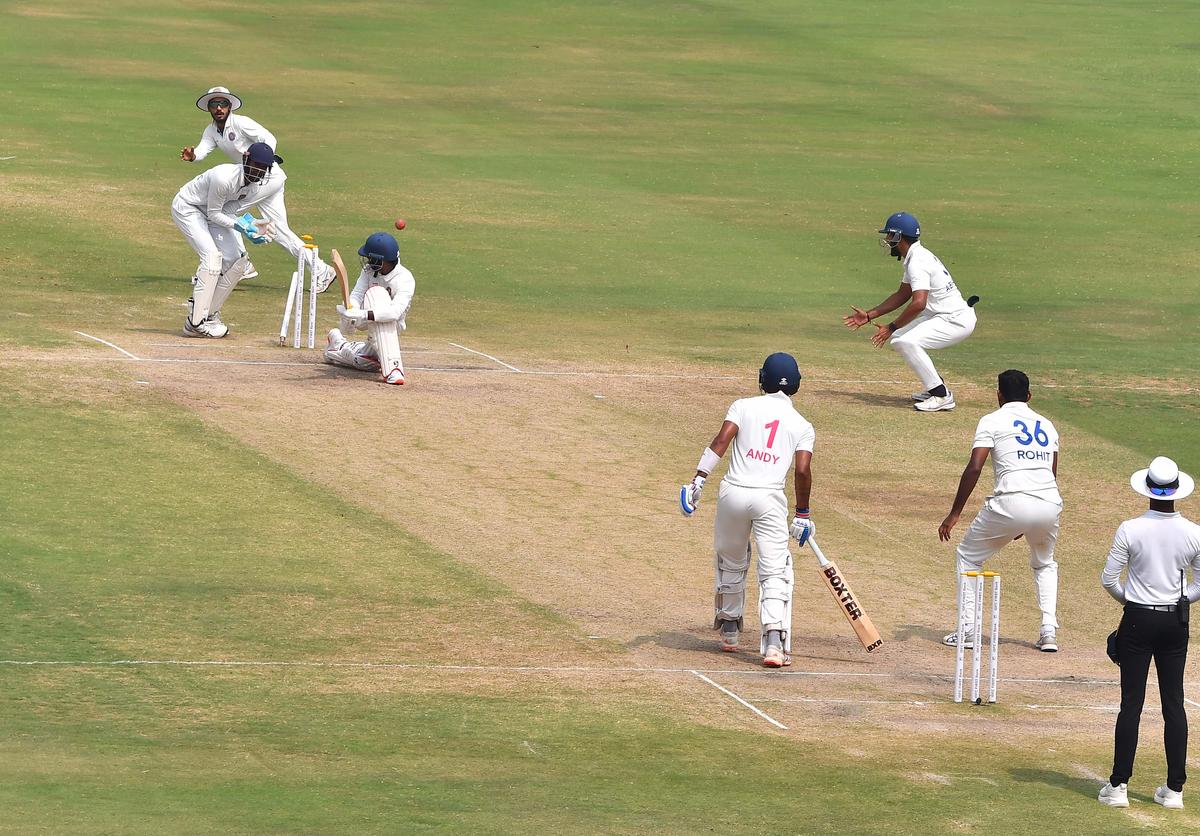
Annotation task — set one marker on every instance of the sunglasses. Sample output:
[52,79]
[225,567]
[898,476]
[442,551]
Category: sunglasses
[218,103]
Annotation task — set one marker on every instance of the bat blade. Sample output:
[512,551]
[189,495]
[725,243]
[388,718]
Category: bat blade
[339,267]
[848,602]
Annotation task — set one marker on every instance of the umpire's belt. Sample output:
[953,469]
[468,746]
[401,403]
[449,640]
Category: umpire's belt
[1130,605]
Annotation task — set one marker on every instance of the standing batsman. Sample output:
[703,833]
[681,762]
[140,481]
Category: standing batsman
[379,305]
[936,315]
[769,438]
[1024,503]
[234,135]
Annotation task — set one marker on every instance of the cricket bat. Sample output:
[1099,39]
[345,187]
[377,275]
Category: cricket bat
[848,602]
[339,267]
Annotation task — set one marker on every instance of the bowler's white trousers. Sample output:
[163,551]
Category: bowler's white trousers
[931,331]
[1000,520]
[763,513]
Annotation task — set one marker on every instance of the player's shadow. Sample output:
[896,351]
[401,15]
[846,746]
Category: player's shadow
[869,398]
[708,643]
[1088,787]
[933,634]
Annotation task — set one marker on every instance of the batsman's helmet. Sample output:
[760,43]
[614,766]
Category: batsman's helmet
[380,247]
[779,373]
[901,223]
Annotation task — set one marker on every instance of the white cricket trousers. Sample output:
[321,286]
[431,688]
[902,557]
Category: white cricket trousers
[217,246]
[761,512]
[1000,520]
[931,331]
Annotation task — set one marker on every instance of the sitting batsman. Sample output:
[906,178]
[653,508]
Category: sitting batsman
[379,303]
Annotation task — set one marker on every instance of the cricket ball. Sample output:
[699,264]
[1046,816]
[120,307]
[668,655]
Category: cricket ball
[400,224]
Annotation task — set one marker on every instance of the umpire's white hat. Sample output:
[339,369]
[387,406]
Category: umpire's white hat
[218,93]
[1162,480]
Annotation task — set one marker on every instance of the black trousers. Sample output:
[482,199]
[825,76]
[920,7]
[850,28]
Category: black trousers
[1146,635]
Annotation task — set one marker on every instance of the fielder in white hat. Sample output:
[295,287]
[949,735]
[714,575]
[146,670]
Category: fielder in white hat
[1156,552]
[234,135]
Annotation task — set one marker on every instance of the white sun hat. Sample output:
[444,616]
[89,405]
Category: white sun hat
[1162,480]
[218,93]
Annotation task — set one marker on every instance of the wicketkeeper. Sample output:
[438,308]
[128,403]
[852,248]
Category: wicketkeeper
[769,438]
[379,305]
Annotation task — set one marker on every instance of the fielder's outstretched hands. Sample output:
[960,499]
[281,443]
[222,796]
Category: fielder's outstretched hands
[857,319]
[188,155]
[803,527]
[946,527]
[689,496]
[883,333]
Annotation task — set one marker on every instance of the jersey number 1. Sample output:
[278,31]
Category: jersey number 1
[773,427]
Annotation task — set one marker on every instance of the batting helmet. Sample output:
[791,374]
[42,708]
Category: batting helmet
[380,247]
[901,223]
[779,373]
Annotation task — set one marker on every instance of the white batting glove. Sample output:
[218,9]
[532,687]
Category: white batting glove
[689,496]
[802,526]
[355,316]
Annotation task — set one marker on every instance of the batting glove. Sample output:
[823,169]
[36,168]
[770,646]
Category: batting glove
[355,316]
[689,496]
[802,526]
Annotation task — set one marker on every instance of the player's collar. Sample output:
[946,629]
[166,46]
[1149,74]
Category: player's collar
[911,249]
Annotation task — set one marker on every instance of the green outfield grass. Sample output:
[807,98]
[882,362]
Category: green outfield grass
[654,184]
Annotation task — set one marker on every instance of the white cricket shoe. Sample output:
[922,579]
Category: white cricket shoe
[394,378]
[206,329]
[1118,796]
[251,271]
[776,658]
[325,279]
[729,636]
[334,339]
[952,640]
[1168,798]
[923,395]
[1047,642]
[934,403]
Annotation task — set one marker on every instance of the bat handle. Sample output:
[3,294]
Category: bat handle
[817,551]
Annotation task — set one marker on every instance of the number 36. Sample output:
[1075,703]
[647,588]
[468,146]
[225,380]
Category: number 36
[1026,437]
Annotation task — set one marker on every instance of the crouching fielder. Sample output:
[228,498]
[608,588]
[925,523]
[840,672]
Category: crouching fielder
[379,304]
[769,437]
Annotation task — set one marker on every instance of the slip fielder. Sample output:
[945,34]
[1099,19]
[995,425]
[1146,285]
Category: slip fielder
[937,316]
[1024,503]
[768,438]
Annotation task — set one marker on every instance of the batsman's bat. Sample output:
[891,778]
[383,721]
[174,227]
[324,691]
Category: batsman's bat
[339,267]
[848,601]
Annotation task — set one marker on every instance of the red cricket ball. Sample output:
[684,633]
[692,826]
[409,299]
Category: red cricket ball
[400,224]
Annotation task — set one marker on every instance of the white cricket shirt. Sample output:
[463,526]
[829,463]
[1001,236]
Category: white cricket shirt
[239,133]
[1154,547]
[770,432]
[1023,445]
[221,184]
[924,271]
[399,283]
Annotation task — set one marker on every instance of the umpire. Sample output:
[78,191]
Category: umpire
[1156,548]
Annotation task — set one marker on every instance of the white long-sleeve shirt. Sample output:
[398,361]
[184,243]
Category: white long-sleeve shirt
[239,133]
[400,285]
[1153,548]
[220,185]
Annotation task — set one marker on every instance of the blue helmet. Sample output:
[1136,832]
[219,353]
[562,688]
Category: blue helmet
[380,247]
[901,223]
[779,373]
